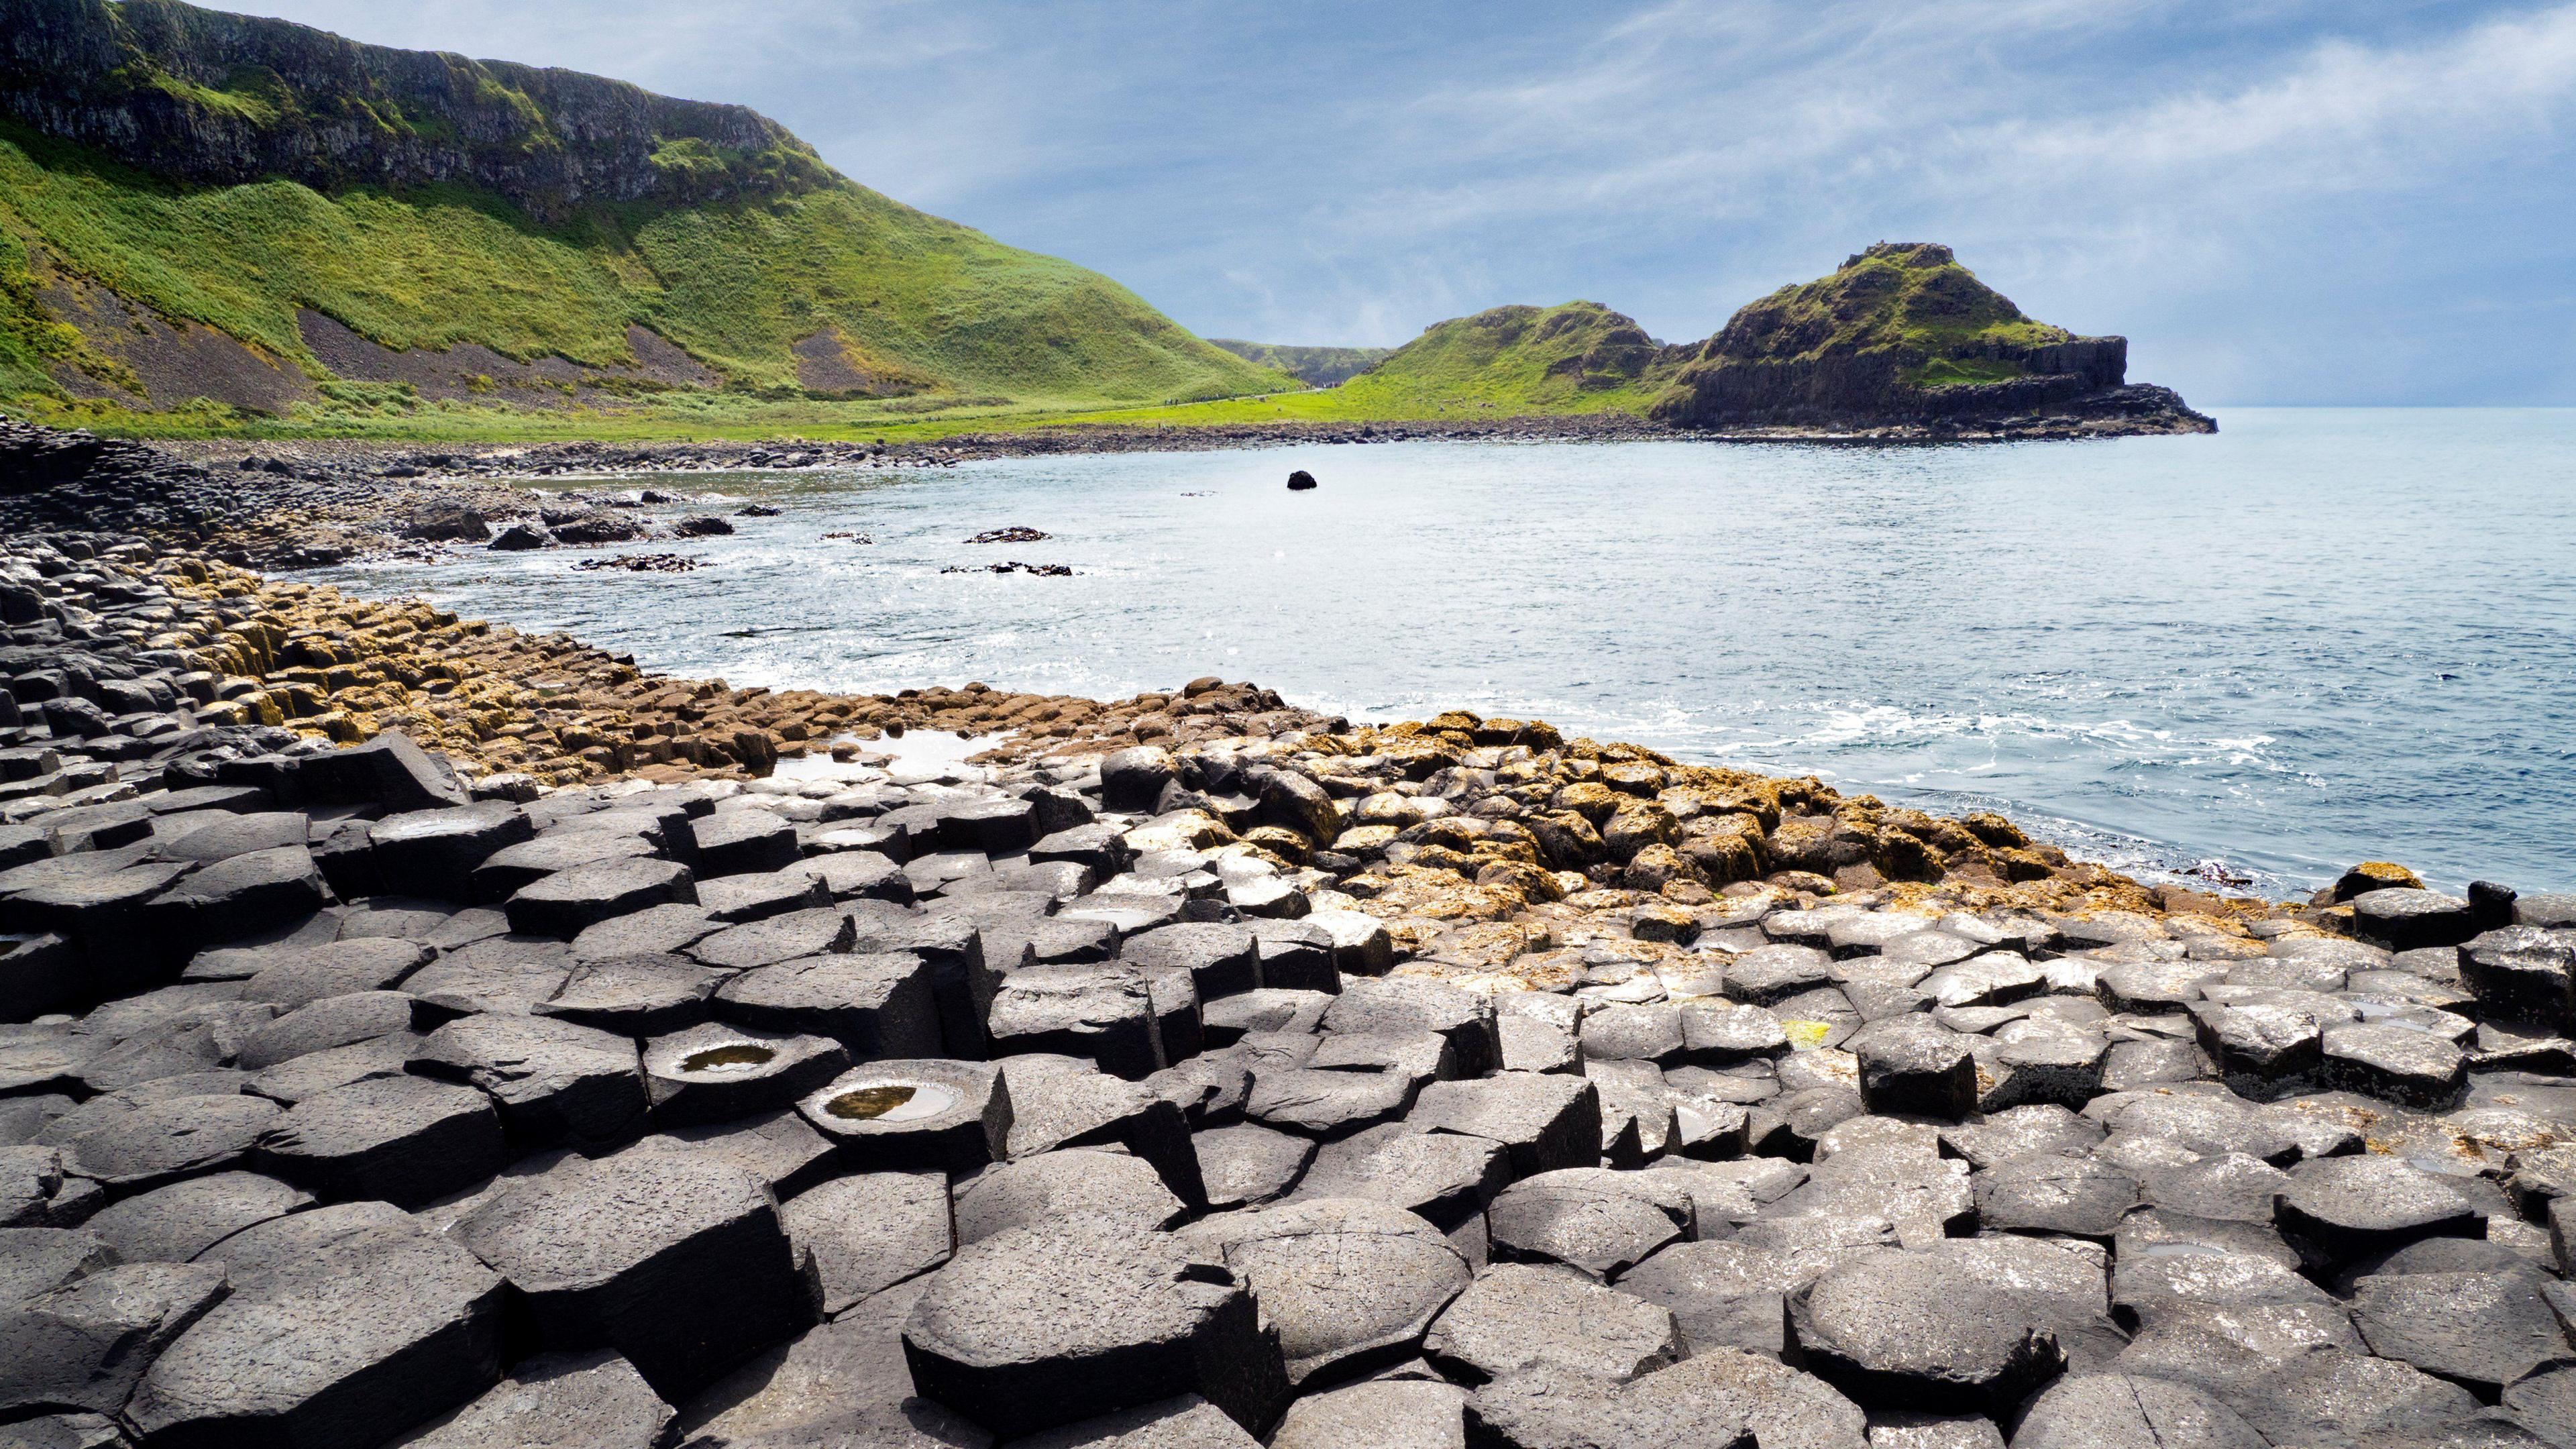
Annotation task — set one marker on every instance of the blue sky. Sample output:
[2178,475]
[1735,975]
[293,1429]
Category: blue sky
[2278,201]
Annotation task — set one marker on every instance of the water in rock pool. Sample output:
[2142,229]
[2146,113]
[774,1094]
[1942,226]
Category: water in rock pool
[2316,637]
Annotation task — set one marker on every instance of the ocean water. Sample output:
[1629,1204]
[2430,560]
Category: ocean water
[2318,637]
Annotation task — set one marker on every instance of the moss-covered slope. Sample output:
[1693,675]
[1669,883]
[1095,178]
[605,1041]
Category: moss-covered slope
[199,204]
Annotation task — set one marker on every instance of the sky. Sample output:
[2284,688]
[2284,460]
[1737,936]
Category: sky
[2359,202]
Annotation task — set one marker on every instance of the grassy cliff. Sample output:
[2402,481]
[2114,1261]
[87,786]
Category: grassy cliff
[167,192]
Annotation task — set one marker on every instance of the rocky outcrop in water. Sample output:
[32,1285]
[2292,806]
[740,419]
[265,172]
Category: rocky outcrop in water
[1903,338]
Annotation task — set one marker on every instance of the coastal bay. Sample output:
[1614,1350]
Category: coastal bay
[2282,648]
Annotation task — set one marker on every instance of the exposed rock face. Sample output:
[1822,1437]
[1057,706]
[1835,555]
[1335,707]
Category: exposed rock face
[209,97]
[1902,335]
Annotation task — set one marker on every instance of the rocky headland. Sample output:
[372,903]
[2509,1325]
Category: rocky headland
[1903,341]
[422,1033]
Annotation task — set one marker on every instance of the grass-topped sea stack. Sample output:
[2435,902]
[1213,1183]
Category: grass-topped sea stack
[1902,335]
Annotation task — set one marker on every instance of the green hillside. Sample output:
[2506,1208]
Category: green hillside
[1313,366]
[1577,357]
[127,280]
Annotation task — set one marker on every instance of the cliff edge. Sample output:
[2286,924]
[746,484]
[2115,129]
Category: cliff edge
[1901,338]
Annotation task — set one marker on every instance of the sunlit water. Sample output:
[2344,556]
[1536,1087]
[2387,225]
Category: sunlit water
[2317,637]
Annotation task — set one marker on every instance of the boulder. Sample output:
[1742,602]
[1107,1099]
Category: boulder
[719,1073]
[1351,1285]
[740,842]
[1596,1221]
[678,1263]
[1446,1177]
[163,1141]
[434,852]
[1913,1330]
[1912,1066]
[174,1224]
[1038,1327]
[1544,1121]
[1062,1102]
[1519,1319]
[1397,1007]
[843,1382]
[2403,919]
[348,1343]
[555,1082]
[334,1021]
[83,1345]
[877,1005]
[2483,1330]
[2120,1411]
[634,996]
[1084,1182]
[404,1140]
[2340,1209]
[568,902]
[1668,1409]
[1100,1013]
[1393,1413]
[869,1232]
[1246,1164]
[592,1400]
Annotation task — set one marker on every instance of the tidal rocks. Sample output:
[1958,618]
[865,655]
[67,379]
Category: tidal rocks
[636,1253]
[1078,1317]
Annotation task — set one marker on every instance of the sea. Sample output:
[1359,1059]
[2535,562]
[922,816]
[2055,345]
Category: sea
[2318,637]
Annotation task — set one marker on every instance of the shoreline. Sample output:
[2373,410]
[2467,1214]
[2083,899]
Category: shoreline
[309,503]
[545,458]
[523,714]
